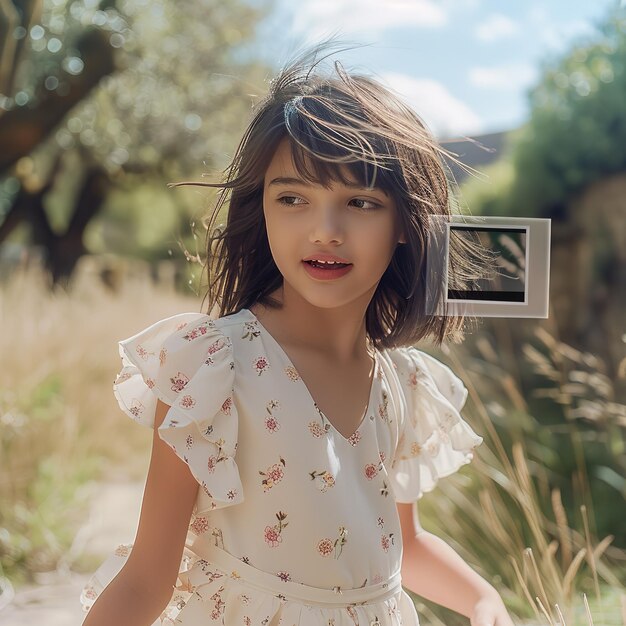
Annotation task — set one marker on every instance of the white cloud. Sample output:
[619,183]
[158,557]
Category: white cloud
[445,115]
[316,18]
[495,26]
[509,76]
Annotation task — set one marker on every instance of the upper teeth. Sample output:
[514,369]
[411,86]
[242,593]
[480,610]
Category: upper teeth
[326,262]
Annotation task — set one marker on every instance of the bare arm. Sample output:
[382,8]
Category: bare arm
[433,570]
[140,592]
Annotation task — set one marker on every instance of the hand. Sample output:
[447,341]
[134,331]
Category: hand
[490,611]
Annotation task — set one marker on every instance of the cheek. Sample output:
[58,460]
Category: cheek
[278,238]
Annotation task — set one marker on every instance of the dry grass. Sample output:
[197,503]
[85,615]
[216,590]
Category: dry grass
[60,424]
[510,520]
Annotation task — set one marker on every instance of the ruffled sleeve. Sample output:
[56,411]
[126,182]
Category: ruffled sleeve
[433,440]
[186,361]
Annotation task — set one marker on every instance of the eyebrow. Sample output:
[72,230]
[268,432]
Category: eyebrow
[288,180]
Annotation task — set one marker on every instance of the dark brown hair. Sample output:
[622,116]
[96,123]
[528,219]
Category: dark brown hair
[336,123]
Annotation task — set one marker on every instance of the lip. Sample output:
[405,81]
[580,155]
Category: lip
[326,257]
[320,273]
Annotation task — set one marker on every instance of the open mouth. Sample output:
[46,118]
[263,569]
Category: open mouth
[326,270]
[327,265]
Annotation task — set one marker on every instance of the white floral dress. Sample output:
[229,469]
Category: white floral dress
[294,523]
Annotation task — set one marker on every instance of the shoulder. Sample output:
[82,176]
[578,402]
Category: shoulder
[186,332]
[417,369]
[183,351]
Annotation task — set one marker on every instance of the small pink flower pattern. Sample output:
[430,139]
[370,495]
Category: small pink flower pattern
[218,604]
[386,541]
[273,533]
[90,593]
[214,347]
[187,402]
[383,409]
[371,471]
[123,550]
[142,353]
[261,365]
[272,536]
[179,380]
[354,438]
[316,429]
[416,449]
[326,546]
[162,356]
[320,427]
[272,475]
[199,525]
[292,373]
[271,422]
[227,405]
[122,378]
[150,383]
[199,331]
[136,408]
[284,576]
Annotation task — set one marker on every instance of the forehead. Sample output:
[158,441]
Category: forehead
[282,161]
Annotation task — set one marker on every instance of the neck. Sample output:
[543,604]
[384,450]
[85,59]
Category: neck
[338,333]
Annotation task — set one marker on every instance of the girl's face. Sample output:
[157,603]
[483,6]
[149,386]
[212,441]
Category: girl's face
[357,226]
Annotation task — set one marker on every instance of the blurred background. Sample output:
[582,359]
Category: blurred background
[102,103]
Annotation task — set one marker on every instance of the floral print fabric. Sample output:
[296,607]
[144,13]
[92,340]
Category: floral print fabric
[281,489]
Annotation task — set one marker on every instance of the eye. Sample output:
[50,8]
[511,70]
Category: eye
[373,206]
[284,199]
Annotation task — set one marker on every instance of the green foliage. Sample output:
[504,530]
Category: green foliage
[172,110]
[489,195]
[577,130]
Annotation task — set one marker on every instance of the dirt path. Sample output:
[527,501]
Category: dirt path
[55,602]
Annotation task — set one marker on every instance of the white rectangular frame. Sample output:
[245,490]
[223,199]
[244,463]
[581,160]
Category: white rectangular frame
[537,268]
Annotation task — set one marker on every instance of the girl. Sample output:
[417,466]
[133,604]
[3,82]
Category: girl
[295,429]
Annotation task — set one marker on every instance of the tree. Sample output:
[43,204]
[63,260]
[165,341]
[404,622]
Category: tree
[145,91]
[577,130]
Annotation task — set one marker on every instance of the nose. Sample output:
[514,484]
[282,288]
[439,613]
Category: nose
[326,225]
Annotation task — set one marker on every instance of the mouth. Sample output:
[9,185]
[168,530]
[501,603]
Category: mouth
[326,265]
[326,270]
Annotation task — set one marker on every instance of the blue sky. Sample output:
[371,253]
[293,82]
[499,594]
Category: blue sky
[464,65]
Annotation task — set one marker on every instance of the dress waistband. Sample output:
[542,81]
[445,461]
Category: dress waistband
[289,590]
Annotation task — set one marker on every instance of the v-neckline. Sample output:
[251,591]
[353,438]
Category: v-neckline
[306,389]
